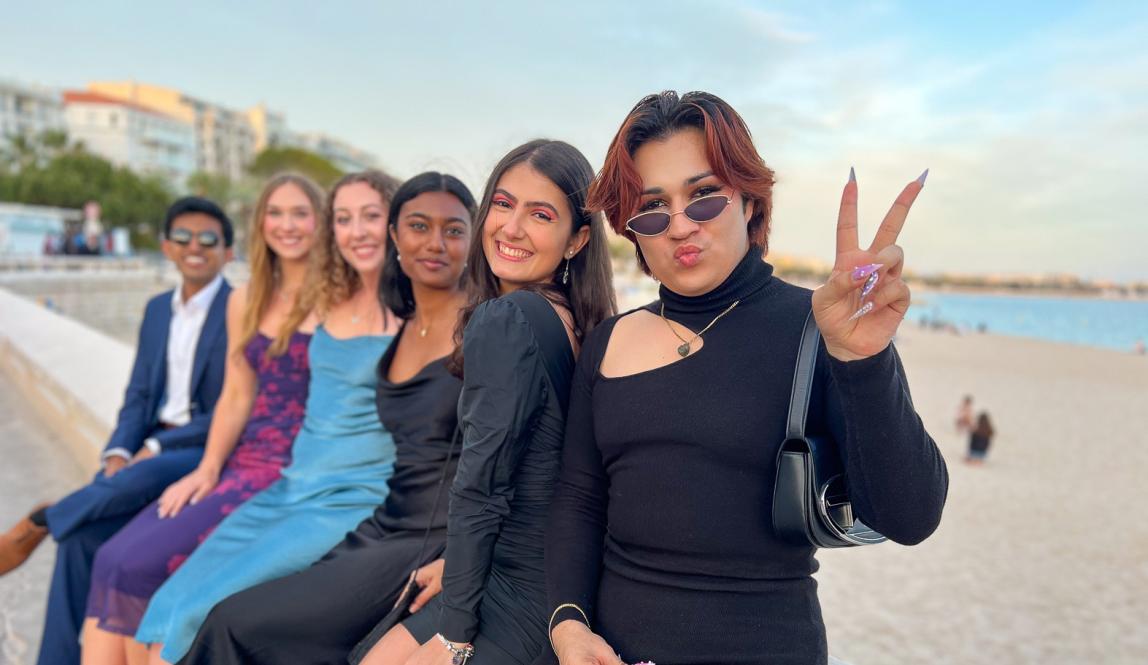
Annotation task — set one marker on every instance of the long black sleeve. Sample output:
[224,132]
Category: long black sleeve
[578,513]
[897,478]
[503,390]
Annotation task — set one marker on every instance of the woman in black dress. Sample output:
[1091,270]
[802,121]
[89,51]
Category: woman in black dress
[536,250]
[660,545]
[319,614]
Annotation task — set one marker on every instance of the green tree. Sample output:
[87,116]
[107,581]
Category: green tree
[21,151]
[275,160]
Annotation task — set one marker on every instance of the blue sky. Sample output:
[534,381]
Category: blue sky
[1033,117]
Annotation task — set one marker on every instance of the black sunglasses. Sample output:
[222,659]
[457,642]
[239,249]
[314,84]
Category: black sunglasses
[655,223]
[182,237]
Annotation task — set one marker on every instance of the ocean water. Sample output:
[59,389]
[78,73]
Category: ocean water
[1112,324]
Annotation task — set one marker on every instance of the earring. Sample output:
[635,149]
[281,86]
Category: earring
[566,273]
[398,257]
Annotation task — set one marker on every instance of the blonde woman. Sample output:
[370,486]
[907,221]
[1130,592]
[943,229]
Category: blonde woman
[258,414]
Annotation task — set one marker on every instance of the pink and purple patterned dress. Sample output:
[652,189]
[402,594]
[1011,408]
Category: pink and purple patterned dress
[137,560]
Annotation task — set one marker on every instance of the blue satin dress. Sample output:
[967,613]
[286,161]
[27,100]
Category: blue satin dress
[341,461]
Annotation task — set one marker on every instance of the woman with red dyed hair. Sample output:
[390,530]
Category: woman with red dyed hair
[661,544]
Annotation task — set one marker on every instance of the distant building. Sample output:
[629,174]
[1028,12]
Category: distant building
[132,135]
[228,140]
[343,155]
[225,141]
[29,110]
[269,128]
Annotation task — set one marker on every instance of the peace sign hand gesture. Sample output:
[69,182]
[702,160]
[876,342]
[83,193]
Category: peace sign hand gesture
[859,309]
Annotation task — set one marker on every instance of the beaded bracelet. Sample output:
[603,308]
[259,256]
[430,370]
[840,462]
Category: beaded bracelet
[458,655]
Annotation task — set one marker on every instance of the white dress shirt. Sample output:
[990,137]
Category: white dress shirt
[187,319]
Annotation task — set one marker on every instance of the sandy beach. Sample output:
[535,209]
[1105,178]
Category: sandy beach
[1042,555]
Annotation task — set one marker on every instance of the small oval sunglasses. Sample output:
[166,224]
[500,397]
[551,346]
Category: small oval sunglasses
[655,223]
[207,239]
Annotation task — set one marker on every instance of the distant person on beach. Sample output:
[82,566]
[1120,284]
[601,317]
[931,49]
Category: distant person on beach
[980,438]
[1139,348]
[176,379]
[965,415]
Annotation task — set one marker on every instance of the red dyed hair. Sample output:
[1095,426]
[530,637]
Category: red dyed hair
[729,149]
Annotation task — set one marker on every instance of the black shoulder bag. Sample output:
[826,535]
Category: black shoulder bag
[811,503]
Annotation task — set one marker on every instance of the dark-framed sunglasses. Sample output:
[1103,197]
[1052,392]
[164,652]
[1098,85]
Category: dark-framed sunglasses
[655,223]
[182,237]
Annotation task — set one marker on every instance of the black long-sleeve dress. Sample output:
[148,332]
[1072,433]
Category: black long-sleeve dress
[318,614]
[661,525]
[494,587]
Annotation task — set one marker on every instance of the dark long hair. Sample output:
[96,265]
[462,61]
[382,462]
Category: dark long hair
[395,292]
[729,149]
[589,291]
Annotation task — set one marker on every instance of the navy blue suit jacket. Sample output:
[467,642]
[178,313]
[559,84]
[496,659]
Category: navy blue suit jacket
[139,415]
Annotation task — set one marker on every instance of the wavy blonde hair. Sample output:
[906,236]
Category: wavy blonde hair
[337,280]
[264,264]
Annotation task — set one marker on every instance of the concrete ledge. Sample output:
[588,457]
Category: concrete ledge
[73,376]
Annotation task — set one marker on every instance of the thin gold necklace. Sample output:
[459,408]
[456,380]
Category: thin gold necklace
[684,349]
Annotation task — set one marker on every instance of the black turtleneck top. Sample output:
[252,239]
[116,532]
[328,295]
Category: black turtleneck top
[661,525]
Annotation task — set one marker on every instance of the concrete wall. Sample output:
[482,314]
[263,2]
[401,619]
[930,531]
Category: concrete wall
[73,375]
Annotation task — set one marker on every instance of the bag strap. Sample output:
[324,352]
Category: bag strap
[553,342]
[803,379]
[437,498]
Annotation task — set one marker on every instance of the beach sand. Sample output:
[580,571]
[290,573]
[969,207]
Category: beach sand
[1042,555]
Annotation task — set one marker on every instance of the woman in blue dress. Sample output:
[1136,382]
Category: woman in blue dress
[342,457]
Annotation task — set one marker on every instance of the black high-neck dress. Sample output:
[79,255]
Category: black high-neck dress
[661,525]
[319,614]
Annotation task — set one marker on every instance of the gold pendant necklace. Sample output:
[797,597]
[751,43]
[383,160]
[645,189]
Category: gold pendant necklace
[684,349]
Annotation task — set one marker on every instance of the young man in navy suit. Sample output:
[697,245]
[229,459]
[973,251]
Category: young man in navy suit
[162,425]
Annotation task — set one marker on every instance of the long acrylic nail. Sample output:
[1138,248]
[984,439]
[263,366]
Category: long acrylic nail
[852,175]
[865,309]
[861,272]
[869,284]
[921,178]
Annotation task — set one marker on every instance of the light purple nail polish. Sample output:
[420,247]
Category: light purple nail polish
[921,178]
[869,284]
[861,272]
[852,175]
[865,309]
